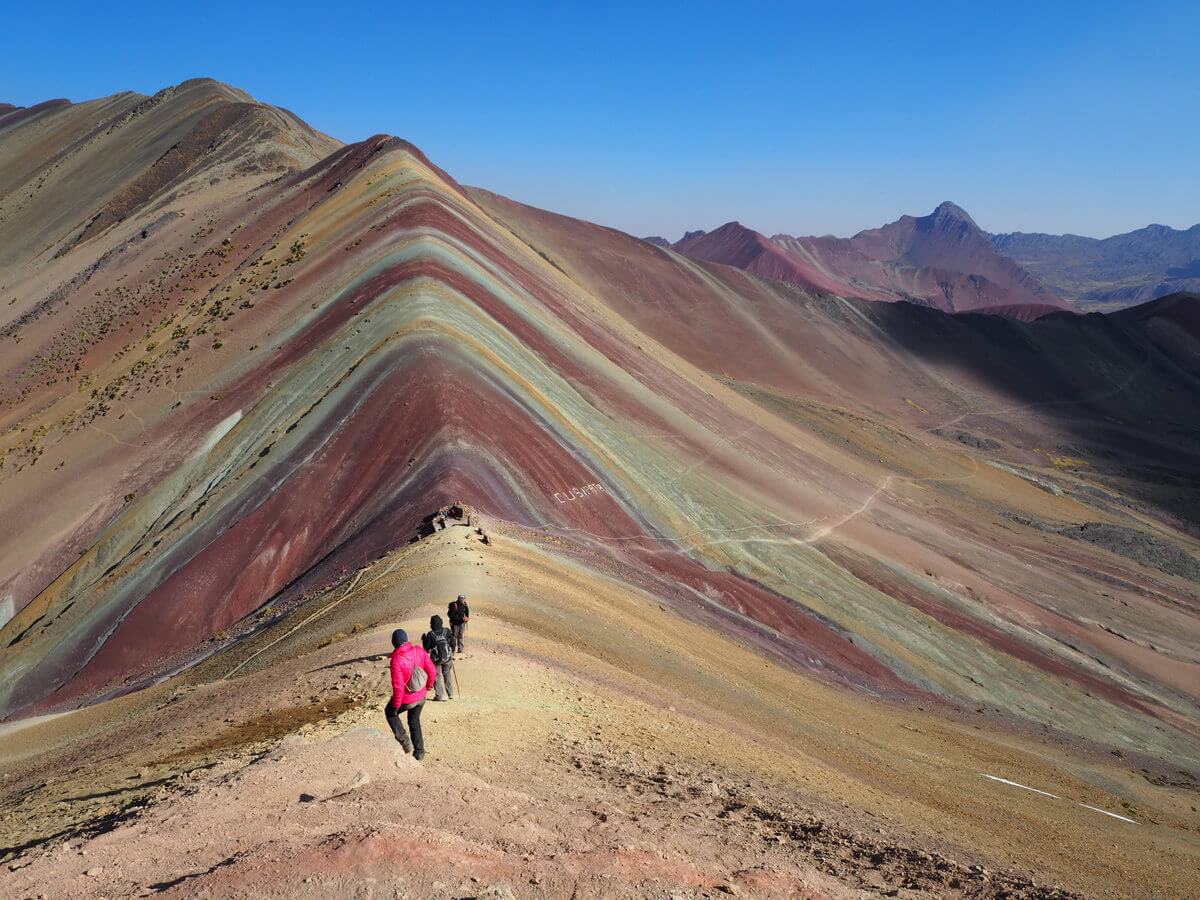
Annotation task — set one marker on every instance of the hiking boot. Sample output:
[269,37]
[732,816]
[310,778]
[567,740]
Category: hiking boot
[419,755]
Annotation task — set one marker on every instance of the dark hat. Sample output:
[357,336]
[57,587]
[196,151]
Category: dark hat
[399,637]
[435,622]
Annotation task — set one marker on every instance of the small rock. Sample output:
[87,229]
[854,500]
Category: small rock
[497,892]
[307,798]
[95,872]
[729,889]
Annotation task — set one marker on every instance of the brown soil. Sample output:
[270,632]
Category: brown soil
[601,746]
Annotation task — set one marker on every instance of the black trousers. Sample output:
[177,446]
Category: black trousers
[444,686]
[417,743]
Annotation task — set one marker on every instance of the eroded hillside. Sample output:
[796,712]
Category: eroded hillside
[236,374]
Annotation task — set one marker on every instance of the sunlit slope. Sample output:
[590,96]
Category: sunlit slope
[969,444]
[601,743]
[279,382]
[70,171]
[449,362]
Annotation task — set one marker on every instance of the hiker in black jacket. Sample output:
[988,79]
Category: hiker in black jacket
[459,613]
[439,644]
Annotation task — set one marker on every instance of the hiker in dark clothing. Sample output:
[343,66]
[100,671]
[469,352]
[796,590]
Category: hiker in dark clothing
[412,674]
[439,644]
[459,613]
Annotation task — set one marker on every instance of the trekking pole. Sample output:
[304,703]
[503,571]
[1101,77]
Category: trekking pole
[454,672]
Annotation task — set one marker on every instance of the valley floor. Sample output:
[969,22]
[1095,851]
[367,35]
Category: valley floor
[602,745]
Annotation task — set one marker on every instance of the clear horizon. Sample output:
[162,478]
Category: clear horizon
[802,121]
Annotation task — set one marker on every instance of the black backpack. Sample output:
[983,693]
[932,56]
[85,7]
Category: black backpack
[437,645]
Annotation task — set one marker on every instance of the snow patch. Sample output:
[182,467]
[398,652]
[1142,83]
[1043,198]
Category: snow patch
[8,609]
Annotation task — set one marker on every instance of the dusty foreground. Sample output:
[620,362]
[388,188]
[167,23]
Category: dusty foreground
[601,746]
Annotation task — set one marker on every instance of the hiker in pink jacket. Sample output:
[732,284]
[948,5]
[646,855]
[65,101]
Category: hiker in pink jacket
[413,674]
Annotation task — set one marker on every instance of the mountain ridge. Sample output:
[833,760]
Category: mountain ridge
[270,409]
[1108,273]
[1091,274]
[942,259]
[133,148]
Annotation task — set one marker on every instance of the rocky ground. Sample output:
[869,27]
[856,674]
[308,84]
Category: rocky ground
[600,747]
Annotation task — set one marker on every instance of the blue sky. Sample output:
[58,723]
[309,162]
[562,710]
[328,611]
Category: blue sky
[655,118]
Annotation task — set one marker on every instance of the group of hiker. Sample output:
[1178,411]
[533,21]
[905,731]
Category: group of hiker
[418,669]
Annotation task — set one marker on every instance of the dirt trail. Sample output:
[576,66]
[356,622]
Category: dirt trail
[602,746]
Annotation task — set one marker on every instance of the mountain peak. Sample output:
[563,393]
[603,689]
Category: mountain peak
[947,211]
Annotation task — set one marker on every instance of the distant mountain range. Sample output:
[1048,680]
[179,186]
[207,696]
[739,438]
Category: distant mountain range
[946,261]
[943,260]
[1111,273]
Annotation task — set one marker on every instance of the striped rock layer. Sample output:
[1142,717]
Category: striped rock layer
[240,360]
